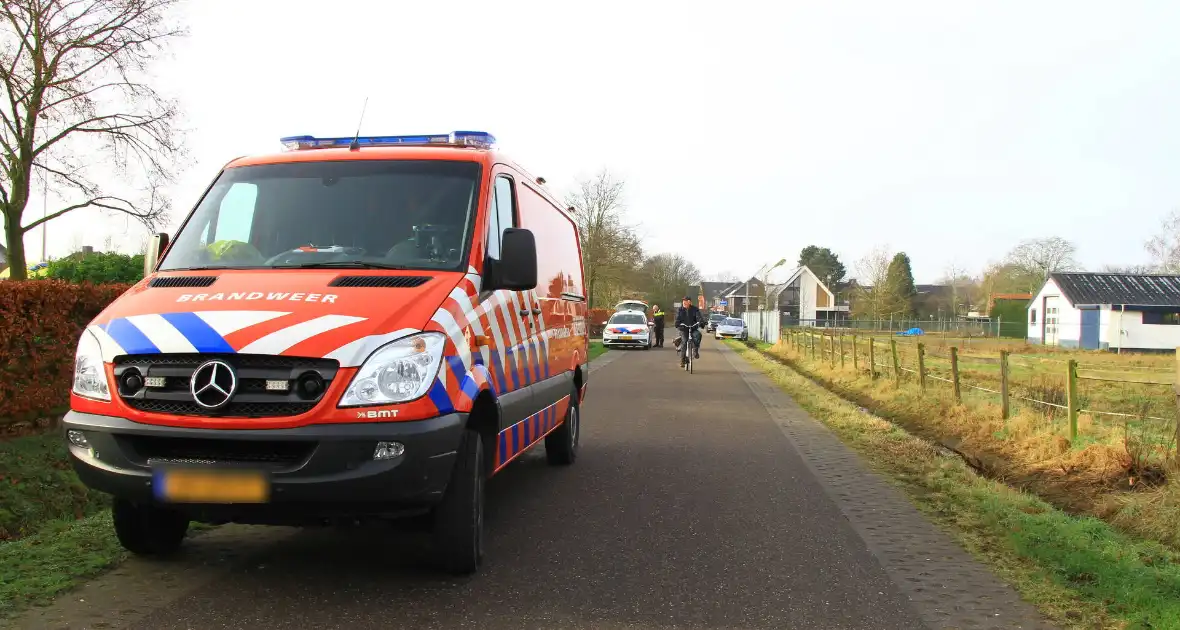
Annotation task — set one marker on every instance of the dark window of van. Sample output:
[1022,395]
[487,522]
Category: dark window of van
[503,215]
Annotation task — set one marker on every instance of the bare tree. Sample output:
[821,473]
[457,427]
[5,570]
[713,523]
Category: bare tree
[873,293]
[610,247]
[1039,257]
[667,277]
[74,73]
[1165,246]
[723,276]
[955,276]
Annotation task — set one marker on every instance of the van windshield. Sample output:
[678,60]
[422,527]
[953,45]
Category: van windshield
[358,213]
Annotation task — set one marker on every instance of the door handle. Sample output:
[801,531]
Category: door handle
[524,312]
[536,311]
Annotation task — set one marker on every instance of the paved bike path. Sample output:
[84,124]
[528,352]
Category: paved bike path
[691,506]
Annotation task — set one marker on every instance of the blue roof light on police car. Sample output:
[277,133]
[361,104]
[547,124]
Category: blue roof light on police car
[473,139]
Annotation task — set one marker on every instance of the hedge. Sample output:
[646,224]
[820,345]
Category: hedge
[98,267]
[40,323]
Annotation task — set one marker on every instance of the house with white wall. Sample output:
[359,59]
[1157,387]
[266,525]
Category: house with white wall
[1107,311]
[805,300]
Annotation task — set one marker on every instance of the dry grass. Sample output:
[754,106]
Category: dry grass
[1115,470]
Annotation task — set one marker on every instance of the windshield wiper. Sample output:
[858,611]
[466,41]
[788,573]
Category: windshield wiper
[347,264]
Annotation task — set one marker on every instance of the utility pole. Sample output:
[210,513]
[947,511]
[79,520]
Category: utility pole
[44,213]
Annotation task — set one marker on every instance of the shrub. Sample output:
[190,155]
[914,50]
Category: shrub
[98,268]
[598,315]
[40,323]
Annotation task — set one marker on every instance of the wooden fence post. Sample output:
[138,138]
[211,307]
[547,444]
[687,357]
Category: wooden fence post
[1176,388]
[1072,397]
[856,368]
[872,358]
[1004,409]
[955,373]
[922,365]
[841,351]
[832,345]
[811,343]
[896,363]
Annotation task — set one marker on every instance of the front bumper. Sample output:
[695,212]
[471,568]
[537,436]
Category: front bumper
[639,340]
[730,334]
[316,472]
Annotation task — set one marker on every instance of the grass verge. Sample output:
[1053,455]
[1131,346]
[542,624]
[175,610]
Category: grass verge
[1115,471]
[59,556]
[37,485]
[1080,571]
[596,349]
[54,532]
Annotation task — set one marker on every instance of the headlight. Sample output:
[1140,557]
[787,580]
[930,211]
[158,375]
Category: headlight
[90,378]
[397,372]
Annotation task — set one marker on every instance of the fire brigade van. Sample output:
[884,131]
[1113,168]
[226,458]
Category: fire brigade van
[353,329]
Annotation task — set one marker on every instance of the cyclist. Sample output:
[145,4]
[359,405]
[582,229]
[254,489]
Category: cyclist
[657,318]
[687,315]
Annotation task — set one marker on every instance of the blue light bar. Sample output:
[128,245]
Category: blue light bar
[473,139]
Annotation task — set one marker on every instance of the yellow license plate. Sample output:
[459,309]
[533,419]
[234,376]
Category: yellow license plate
[180,485]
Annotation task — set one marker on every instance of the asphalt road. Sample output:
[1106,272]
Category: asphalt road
[688,507]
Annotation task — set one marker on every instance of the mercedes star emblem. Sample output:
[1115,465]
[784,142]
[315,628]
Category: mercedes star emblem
[213,384]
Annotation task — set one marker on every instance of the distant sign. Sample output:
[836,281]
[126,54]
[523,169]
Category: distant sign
[724,302]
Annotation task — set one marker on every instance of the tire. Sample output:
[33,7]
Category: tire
[561,446]
[458,519]
[147,530]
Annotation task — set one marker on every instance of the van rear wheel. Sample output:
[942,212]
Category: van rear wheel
[148,530]
[561,446]
[458,519]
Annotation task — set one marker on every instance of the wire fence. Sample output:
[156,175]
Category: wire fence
[1144,393]
[955,326]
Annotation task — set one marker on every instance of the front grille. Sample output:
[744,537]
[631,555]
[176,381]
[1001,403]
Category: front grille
[172,374]
[169,450]
[233,409]
[173,282]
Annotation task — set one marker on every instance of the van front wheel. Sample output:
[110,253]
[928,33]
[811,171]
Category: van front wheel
[147,530]
[458,519]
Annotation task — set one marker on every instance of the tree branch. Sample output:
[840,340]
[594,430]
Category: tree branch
[104,202]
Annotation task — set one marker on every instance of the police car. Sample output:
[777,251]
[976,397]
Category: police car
[627,329]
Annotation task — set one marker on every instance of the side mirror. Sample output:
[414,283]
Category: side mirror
[156,246]
[517,268]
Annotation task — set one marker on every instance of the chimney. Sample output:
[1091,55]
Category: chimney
[87,250]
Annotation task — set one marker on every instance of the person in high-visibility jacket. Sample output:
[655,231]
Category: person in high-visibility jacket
[657,317]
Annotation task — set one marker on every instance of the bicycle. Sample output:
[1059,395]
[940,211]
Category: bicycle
[689,345]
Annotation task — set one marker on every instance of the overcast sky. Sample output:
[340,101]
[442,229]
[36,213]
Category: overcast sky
[948,130]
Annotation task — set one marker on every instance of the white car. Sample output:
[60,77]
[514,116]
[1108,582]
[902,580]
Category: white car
[731,328]
[627,329]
